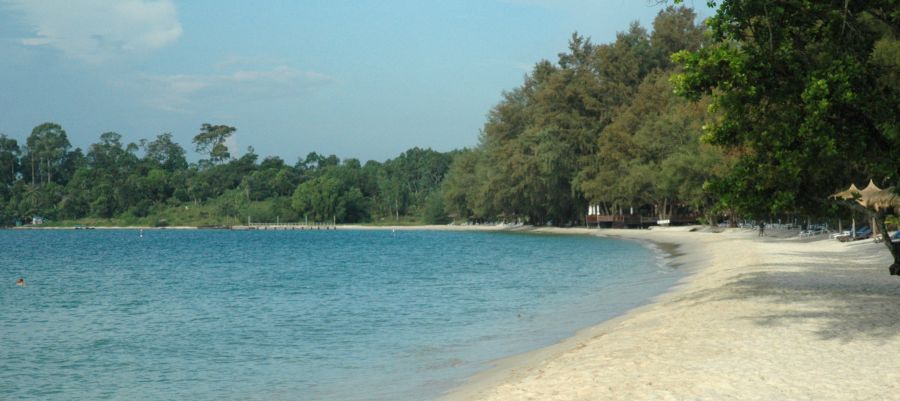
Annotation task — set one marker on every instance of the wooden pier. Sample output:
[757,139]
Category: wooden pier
[285,226]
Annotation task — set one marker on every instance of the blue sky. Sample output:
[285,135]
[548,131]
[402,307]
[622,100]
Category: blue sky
[364,79]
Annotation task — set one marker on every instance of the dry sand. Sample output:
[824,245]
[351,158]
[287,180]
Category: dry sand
[757,319]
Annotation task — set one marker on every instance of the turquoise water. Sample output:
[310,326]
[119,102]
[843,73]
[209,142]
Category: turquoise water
[291,315]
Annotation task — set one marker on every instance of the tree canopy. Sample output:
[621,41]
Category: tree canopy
[805,93]
[152,182]
[596,127]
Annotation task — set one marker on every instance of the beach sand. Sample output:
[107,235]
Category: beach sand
[757,319]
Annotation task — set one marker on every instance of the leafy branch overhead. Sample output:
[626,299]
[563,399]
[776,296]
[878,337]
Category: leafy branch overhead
[805,92]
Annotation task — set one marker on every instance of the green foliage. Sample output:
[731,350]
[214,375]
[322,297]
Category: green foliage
[327,198]
[434,210]
[651,155]
[112,185]
[211,141]
[165,153]
[457,189]
[9,160]
[806,94]
[46,152]
[405,182]
[596,127]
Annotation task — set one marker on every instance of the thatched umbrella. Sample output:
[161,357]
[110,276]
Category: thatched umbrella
[877,202]
[850,194]
[869,191]
[871,197]
[886,199]
[847,194]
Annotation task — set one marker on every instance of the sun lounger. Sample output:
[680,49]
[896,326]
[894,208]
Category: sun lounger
[862,233]
[845,233]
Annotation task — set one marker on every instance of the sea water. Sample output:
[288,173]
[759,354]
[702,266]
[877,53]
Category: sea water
[295,315]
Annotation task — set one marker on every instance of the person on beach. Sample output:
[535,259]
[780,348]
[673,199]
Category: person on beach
[20,282]
[762,229]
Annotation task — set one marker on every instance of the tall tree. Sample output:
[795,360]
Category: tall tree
[47,148]
[543,145]
[211,141]
[807,95]
[9,160]
[166,153]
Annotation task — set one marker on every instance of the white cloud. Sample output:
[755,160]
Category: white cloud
[183,92]
[99,30]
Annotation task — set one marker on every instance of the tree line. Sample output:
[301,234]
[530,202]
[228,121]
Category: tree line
[600,126]
[152,182]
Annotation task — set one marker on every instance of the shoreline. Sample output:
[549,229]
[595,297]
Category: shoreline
[509,369]
[755,318]
[752,318]
[424,227]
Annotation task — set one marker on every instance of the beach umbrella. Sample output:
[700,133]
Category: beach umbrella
[871,197]
[866,194]
[885,199]
[847,194]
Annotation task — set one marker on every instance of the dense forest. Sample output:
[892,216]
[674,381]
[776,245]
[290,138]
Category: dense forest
[152,183]
[758,111]
[601,126]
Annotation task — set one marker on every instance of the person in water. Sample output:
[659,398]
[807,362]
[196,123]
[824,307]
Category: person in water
[20,282]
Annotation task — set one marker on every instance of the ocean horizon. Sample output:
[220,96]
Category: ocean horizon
[297,315]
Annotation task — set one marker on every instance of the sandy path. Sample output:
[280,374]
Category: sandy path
[762,319]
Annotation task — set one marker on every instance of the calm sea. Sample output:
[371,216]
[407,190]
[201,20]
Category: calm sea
[291,315]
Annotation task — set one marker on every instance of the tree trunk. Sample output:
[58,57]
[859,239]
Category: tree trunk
[894,269]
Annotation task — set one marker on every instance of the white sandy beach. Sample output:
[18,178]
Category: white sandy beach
[757,319]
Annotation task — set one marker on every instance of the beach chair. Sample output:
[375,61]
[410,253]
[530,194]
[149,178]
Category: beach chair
[838,236]
[861,233]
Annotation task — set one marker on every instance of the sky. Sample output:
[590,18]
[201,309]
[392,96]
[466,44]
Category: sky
[364,79]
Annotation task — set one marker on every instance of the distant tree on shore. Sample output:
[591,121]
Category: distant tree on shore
[211,141]
[46,151]
[113,180]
